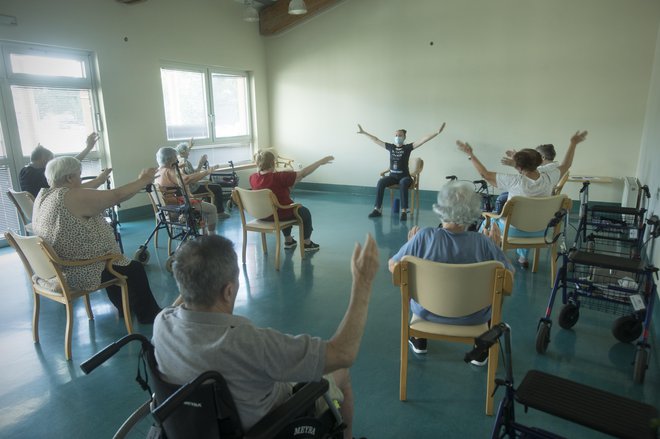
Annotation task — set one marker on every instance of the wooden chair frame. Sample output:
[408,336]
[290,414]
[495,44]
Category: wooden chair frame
[41,261]
[262,226]
[515,213]
[414,186]
[24,201]
[454,282]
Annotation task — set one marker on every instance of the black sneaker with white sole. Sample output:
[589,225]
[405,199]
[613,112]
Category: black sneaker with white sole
[312,247]
[481,361]
[418,345]
[290,245]
[375,213]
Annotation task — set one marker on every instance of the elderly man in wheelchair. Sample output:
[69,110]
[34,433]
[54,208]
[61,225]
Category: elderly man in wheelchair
[258,364]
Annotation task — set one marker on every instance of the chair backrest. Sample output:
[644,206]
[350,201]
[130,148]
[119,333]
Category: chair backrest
[560,184]
[451,290]
[259,203]
[33,252]
[24,202]
[417,166]
[530,214]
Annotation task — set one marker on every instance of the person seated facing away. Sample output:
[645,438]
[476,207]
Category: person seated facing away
[183,150]
[548,154]
[167,179]
[399,171]
[69,216]
[529,181]
[458,206]
[32,177]
[281,182]
[259,364]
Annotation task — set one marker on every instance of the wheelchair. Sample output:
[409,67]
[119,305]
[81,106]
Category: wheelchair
[181,221]
[204,407]
[594,408]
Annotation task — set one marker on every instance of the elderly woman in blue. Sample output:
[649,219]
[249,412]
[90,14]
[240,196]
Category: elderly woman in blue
[458,206]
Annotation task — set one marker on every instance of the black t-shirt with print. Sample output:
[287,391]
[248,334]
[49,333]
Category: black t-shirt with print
[399,158]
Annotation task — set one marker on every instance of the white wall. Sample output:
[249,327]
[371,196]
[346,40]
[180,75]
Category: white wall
[208,32]
[501,73]
[649,159]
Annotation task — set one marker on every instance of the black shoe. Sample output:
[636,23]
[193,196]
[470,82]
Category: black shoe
[481,361]
[404,216]
[418,345]
[312,247]
[375,213]
[292,244]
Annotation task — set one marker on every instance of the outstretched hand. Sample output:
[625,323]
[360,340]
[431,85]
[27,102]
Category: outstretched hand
[92,139]
[105,174]
[148,175]
[327,159]
[465,147]
[360,130]
[442,127]
[579,137]
[364,263]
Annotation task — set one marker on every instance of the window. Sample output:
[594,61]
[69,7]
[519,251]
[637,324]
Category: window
[211,106]
[48,96]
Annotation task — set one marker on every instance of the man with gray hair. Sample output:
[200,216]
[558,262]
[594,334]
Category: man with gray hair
[458,207]
[259,364]
[32,177]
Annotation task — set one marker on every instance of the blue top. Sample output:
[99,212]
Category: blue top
[440,245]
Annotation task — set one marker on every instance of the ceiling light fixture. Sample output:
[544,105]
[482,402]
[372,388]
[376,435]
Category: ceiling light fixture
[297,7]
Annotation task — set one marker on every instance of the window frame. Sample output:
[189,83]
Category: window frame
[215,141]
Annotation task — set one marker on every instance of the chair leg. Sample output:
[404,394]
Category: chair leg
[403,372]
[277,250]
[68,331]
[493,360]
[88,307]
[35,318]
[535,264]
[126,306]
[244,244]
[301,237]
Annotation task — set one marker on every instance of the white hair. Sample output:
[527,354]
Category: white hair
[458,203]
[166,156]
[58,169]
[181,147]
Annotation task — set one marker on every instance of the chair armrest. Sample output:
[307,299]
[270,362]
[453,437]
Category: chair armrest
[297,404]
[287,206]
[507,284]
[384,173]
[108,258]
[396,274]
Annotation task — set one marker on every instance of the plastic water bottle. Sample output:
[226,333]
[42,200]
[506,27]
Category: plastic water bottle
[396,205]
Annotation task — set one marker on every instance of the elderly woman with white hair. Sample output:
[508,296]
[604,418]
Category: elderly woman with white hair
[458,206]
[69,216]
[167,178]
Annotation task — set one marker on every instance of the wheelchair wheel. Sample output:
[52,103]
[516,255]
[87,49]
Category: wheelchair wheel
[141,255]
[568,316]
[627,329]
[542,337]
[640,365]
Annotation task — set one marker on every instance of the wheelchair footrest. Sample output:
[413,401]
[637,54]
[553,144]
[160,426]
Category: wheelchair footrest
[602,411]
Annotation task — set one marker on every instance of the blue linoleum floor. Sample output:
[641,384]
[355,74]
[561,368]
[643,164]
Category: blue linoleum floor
[43,396]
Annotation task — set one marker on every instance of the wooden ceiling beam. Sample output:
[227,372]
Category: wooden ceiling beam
[275,18]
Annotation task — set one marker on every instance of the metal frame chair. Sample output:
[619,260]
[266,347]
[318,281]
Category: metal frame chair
[45,269]
[451,290]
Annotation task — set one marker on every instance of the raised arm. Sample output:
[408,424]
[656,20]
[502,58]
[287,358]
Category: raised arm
[507,160]
[429,137]
[195,177]
[202,161]
[375,139]
[343,347]
[565,165]
[85,203]
[98,181]
[91,141]
[304,172]
[490,177]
